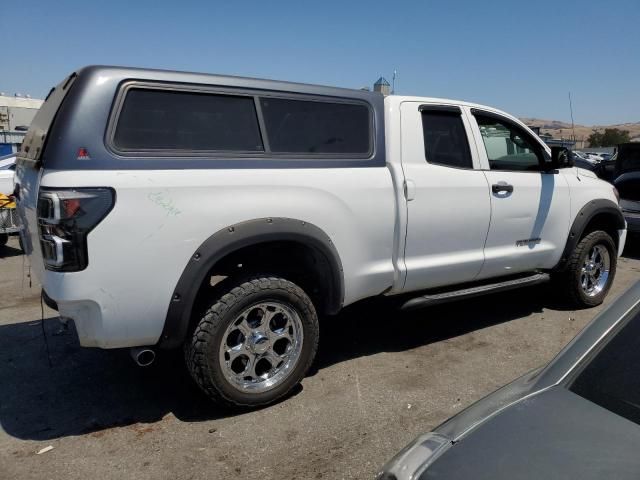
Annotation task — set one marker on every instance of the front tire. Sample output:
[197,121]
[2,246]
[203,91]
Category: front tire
[254,343]
[591,269]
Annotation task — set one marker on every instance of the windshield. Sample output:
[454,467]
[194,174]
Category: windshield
[611,378]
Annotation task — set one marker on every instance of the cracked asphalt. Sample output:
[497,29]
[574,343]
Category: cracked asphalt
[380,379]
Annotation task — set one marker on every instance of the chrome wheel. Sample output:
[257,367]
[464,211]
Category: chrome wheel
[261,347]
[594,274]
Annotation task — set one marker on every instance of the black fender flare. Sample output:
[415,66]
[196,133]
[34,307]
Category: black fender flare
[584,216]
[230,239]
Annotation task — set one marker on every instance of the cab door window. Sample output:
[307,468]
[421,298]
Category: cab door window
[509,147]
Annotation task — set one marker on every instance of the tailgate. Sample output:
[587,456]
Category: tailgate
[30,163]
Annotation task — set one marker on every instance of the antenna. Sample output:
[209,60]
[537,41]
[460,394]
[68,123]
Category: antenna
[393,82]
[573,129]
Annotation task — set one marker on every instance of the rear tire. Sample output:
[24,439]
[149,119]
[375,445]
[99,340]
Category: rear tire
[4,238]
[590,270]
[254,343]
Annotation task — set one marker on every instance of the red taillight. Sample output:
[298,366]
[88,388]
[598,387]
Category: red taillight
[70,207]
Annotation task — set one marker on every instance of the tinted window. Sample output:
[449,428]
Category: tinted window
[168,120]
[445,139]
[508,147]
[612,378]
[296,126]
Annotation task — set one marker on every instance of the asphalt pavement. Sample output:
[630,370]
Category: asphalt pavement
[381,378]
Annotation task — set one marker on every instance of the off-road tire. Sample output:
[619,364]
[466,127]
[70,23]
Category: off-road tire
[569,279]
[202,349]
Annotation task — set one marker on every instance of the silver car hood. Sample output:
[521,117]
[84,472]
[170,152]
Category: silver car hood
[554,434]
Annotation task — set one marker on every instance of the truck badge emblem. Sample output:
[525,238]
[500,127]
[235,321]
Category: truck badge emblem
[83,154]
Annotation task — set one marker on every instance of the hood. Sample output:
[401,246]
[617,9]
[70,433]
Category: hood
[583,172]
[554,434]
[7,161]
[475,414]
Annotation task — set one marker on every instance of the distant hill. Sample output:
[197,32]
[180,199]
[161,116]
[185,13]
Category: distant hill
[563,129]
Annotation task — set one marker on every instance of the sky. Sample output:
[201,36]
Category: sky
[523,57]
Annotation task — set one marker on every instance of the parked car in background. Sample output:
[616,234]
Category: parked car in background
[607,169]
[582,160]
[9,219]
[578,417]
[7,173]
[7,160]
[594,156]
[627,181]
[271,203]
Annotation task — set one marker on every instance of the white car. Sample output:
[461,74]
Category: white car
[585,157]
[226,215]
[594,156]
[7,173]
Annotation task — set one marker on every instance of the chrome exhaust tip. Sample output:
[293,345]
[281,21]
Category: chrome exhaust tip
[143,356]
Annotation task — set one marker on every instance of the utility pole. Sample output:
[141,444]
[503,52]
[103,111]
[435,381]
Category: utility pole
[573,129]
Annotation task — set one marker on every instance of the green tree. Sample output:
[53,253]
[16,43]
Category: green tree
[595,139]
[609,138]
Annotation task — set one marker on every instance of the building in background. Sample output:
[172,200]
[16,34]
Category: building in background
[16,114]
[558,142]
[382,86]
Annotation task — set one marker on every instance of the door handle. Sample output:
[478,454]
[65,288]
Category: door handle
[501,187]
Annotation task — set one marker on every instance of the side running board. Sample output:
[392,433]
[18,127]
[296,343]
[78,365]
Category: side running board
[475,291]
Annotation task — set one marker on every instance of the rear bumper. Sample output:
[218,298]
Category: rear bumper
[86,318]
[105,314]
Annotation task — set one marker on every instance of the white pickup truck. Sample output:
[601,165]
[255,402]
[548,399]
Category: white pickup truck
[225,214]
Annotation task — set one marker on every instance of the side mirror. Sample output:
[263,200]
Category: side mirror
[560,158]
